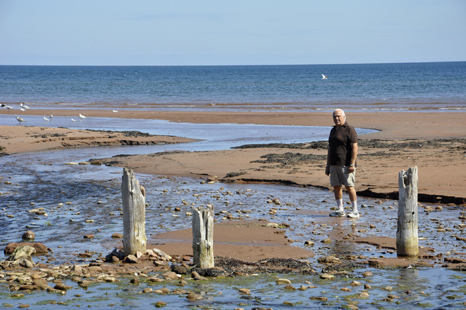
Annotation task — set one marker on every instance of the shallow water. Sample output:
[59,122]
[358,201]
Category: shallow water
[93,193]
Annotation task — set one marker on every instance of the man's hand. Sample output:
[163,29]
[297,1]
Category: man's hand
[351,169]
[327,170]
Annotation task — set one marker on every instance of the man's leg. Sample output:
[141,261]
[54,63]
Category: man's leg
[354,201]
[337,190]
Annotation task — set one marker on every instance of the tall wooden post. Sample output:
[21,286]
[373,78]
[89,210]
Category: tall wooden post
[407,231]
[134,214]
[203,237]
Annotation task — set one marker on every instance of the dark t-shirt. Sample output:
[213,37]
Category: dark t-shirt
[339,141]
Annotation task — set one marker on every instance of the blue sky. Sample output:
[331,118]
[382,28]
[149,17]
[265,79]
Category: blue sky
[235,32]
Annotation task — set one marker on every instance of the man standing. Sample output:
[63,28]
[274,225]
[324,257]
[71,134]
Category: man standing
[341,162]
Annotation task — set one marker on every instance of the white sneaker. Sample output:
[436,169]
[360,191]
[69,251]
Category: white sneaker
[338,213]
[353,214]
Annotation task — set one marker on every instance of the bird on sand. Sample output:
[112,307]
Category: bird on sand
[115,111]
[82,116]
[23,109]
[46,119]
[19,119]
[324,77]
[24,106]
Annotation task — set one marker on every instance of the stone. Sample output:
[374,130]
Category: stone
[328,260]
[147,290]
[160,304]
[367,274]
[282,281]
[161,253]
[308,243]
[90,236]
[29,235]
[117,236]
[39,247]
[245,291]
[22,256]
[355,283]
[170,275]
[179,269]
[364,295]
[130,259]
[327,276]
[62,287]
[194,296]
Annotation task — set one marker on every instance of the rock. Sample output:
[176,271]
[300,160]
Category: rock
[90,236]
[319,298]
[180,269]
[290,287]
[367,286]
[309,243]
[147,290]
[273,225]
[161,253]
[39,247]
[170,275]
[283,281]
[355,283]
[328,260]
[117,236]
[21,257]
[134,281]
[62,287]
[328,240]
[29,235]
[367,274]
[245,291]
[327,276]
[160,304]
[194,296]
[130,259]
[364,295]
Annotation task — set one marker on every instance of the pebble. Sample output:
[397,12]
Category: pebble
[245,291]
[282,281]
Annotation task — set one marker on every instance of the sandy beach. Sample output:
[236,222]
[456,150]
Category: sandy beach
[432,141]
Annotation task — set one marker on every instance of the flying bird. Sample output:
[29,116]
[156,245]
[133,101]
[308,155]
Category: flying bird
[324,77]
[19,119]
[82,116]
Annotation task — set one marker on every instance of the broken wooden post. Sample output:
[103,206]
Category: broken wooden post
[203,237]
[407,231]
[134,214]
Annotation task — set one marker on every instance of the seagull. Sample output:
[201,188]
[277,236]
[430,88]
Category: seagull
[115,111]
[23,110]
[82,116]
[73,120]
[324,77]
[46,119]
[24,106]
[51,116]
[19,119]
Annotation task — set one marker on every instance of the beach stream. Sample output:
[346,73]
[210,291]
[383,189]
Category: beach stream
[86,199]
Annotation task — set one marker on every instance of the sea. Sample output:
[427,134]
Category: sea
[435,86]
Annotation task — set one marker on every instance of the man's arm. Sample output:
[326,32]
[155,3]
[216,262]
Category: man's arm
[354,155]
[327,168]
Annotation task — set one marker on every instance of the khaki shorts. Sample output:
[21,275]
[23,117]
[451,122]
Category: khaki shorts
[339,176]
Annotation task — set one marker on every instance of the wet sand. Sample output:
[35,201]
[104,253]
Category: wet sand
[441,164]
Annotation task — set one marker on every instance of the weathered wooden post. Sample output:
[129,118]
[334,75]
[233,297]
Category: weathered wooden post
[134,214]
[407,231]
[203,237]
